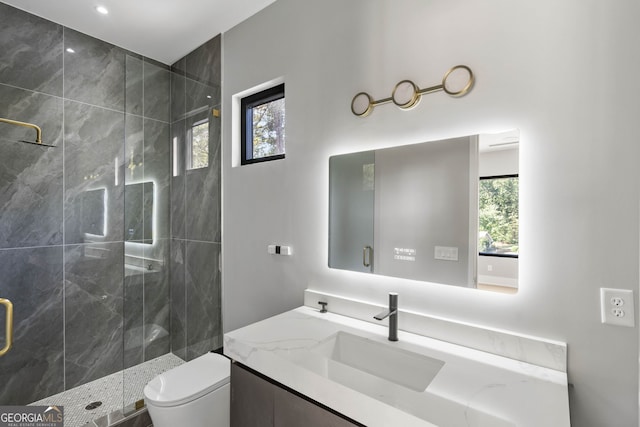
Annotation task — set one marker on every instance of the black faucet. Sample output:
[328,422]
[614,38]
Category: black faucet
[324,306]
[392,314]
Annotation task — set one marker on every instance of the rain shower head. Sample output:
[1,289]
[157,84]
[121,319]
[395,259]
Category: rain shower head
[39,144]
[38,140]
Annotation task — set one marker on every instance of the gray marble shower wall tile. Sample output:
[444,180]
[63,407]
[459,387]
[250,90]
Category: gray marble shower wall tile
[94,311]
[156,171]
[177,265]
[203,193]
[133,322]
[94,72]
[32,278]
[30,51]
[134,85]
[178,93]
[133,178]
[178,180]
[157,99]
[157,302]
[30,176]
[134,146]
[94,161]
[180,66]
[147,180]
[200,98]
[203,64]
[203,284]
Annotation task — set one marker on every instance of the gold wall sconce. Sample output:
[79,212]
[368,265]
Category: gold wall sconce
[407,94]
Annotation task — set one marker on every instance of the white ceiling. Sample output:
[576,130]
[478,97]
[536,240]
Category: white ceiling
[164,30]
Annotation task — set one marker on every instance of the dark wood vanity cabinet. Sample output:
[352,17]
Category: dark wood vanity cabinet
[259,402]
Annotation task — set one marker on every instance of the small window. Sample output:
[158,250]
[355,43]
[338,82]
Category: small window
[262,122]
[198,149]
[498,216]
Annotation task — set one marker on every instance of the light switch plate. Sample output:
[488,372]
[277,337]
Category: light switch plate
[616,307]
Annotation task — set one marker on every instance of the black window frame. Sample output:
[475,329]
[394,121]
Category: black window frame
[482,178]
[246,122]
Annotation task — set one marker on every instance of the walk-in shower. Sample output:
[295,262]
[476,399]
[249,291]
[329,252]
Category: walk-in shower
[106,257]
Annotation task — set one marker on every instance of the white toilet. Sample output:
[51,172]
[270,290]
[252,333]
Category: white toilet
[195,394]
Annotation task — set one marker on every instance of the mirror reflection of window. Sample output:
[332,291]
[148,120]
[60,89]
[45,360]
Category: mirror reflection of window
[498,216]
[498,212]
[198,152]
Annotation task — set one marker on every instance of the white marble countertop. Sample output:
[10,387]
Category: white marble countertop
[473,388]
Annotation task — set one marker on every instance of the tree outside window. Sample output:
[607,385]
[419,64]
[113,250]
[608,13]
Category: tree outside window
[263,126]
[498,216]
[199,156]
[268,129]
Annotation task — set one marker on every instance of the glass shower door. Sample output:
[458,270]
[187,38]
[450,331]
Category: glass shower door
[31,255]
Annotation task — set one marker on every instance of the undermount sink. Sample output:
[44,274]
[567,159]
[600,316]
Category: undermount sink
[369,365]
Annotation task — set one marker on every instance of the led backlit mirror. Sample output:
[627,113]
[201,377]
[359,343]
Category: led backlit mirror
[441,211]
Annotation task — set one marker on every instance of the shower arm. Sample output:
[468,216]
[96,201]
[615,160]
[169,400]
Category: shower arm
[28,125]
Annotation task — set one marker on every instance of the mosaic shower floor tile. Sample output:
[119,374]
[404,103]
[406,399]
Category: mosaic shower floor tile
[114,391]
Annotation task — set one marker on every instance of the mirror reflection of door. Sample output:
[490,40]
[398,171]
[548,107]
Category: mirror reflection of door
[351,195]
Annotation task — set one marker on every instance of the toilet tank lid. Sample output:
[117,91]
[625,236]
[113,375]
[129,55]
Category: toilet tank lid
[189,381]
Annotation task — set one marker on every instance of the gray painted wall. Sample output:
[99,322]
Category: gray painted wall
[561,72]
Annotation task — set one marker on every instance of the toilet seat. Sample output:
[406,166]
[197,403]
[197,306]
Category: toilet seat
[189,381]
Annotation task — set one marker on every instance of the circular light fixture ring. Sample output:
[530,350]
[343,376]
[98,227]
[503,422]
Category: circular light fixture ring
[360,112]
[466,88]
[415,97]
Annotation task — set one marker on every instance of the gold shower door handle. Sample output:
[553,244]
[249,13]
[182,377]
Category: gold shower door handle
[9,324]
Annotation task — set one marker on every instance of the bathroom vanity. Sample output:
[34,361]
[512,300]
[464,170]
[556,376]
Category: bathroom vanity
[259,401]
[348,367]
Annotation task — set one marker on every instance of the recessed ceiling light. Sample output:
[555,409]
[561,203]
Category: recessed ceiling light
[103,10]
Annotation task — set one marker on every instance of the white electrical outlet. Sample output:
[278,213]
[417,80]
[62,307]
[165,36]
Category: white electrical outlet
[616,307]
